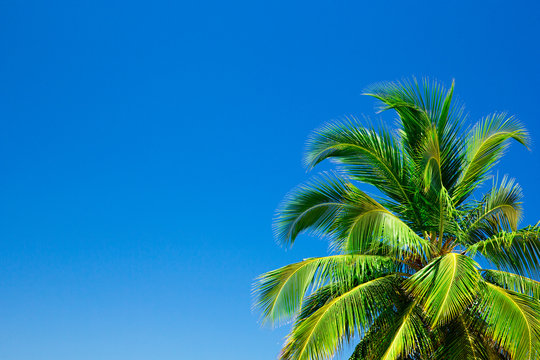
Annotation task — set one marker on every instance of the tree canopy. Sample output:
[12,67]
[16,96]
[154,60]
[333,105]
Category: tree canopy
[404,278]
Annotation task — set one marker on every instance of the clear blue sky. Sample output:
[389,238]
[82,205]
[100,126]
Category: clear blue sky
[145,145]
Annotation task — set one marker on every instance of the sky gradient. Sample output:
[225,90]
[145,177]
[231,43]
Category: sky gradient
[144,147]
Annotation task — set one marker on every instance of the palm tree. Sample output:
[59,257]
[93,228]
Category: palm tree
[403,279]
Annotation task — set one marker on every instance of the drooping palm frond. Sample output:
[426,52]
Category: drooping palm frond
[369,155]
[517,251]
[313,206]
[499,211]
[445,287]
[322,296]
[512,320]
[357,223]
[413,107]
[322,334]
[517,283]
[407,335]
[398,333]
[460,340]
[280,292]
[370,347]
[369,227]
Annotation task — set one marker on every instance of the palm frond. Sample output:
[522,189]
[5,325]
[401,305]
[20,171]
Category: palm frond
[370,346]
[517,251]
[512,320]
[398,333]
[321,297]
[370,227]
[413,107]
[486,144]
[499,211]
[313,207]
[510,281]
[280,292]
[419,106]
[407,335]
[430,161]
[322,334]
[459,340]
[445,287]
[368,155]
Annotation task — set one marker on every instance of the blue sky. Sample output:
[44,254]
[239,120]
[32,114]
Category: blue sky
[144,147]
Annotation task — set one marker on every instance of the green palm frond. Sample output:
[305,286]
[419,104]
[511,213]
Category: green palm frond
[370,228]
[512,320]
[370,347]
[499,211]
[465,337]
[517,251]
[452,144]
[445,287]
[396,334]
[413,104]
[368,154]
[321,297]
[430,161]
[407,335]
[322,334]
[313,206]
[510,281]
[486,144]
[280,292]
[419,106]
[459,340]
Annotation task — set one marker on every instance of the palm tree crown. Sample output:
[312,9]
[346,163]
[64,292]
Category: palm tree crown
[402,279]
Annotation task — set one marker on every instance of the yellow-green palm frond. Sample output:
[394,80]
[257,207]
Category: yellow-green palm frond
[510,281]
[322,334]
[370,346]
[512,320]
[486,144]
[517,251]
[445,287]
[280,292]
[398,333]
[370,227]
[407,335]
[499,211]
[429,161]
[460,340]
[421,106]
[355,222]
